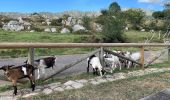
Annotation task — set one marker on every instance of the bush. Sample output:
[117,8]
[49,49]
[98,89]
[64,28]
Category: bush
[113,29]
[37,29]
[56,22]
[83,32]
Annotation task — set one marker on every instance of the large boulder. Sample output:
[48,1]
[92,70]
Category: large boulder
[78,27]
[53,30]
[13,26]
[65,30]
[96,27]
[47,30]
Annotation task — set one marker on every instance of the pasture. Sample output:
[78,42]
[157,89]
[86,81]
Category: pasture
[118,89]
[43,37]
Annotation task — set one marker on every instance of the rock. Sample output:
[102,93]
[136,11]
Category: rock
[77,28]
[97,27]
[126,28]
[69,83]
[94,82]
[47,91]
[65,30]
[48,23]
[119,75]
[82,81]
[7,98]
[142,30]
[80,22]
[29,95]
[101,80]
[32,31]
[47,30]
[68,87]
[54,85]
[43,23]
[59,89]
[77,85]
[13,26]
[20,19]
[53,30]
[110,79]
[69,19]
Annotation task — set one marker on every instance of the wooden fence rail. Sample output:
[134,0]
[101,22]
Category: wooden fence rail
[31,47]
[78,45]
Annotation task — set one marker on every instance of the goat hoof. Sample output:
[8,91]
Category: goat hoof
[33,87]
[14,93]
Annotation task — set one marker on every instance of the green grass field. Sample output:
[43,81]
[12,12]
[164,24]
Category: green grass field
[42,37]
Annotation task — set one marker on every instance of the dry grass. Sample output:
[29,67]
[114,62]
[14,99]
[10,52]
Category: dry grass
[127,89]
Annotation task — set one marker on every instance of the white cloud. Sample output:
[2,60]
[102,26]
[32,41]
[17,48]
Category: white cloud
[149,1]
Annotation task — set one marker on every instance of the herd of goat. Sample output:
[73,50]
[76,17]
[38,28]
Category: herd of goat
[14,73]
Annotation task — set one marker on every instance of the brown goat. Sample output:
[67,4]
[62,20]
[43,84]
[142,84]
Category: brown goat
[13,73]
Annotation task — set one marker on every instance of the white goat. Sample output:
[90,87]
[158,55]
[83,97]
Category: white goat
[114,60]
[134,56]
[96,65]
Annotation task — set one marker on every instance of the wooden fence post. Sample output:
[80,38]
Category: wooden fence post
[101,56]
[168,55]
[31,56]
[142,56]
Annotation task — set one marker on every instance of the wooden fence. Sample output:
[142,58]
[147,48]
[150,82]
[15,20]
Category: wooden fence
[31,47]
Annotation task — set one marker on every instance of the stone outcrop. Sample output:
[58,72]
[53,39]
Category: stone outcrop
[78,27]
[65,30]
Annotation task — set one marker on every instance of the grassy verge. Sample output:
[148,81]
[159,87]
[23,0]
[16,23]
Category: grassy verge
[6,36]
[78,77]
[127,89]
[136,36]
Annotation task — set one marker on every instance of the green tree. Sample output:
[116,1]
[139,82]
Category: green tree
[113,23]
[114,8]
[113,29]
[135,16]
[158,15]
[86,22]
[167,14]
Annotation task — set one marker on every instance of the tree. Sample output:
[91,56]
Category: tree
[114,8]
[135,16]
[158,15]
[113,23]
[86,22]
[113,29]
[167,14]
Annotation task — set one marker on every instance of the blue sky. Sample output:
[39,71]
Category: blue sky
[82,5]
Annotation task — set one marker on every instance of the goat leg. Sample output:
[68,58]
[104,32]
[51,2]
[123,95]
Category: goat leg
[15,86]
[88,68]
[38,73]
[94,72]
[15,90]
[32,81]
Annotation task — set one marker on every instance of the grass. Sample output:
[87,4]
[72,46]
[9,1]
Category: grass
[140,37]
[127,89]
[84,75]
[6,36]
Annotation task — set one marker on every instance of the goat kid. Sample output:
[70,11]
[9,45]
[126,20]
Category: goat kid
[96,65]
[14,73]
[44,63]
[113,60]
[134,56]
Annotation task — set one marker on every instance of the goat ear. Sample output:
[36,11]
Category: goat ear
[26,62]
[10,66]
[3,68]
